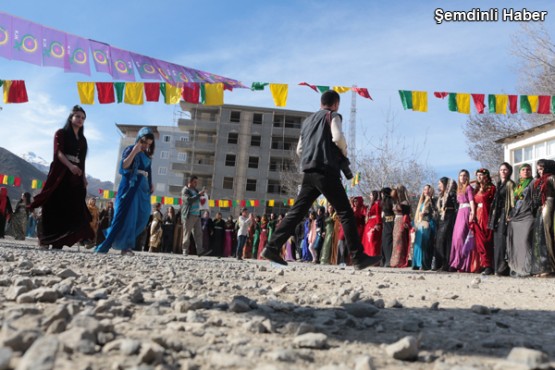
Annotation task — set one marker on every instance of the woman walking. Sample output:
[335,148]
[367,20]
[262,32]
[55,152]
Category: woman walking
[460,259]
[425,230]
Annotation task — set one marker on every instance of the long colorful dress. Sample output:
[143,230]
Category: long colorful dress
[329,225]
[372,237]
[5,210]
[18,222]
[401,236]
[95,214]
[482,234]
[65,217]
[155,239]
[264,230]
[306,256]
[132,207]
[460,258]
[360,216]
[256,249]
[229,238]
[520,234]
[424,236]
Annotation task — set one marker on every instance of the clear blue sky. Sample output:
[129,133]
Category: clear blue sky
[384,46]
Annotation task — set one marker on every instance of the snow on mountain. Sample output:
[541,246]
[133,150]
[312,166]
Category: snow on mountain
[38,162]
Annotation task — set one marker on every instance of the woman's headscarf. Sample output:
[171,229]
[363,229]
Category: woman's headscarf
[144,132]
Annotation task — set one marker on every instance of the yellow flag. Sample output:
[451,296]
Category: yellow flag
[341,89]
[420,101]
[211,203]
[34,184]
[271,203]
[279,93]
[533,99]
[501,102]
[153,199]
[106,194]
[134,93]
[214,94]
[463,103]
[7,85]
[173,94]
[86,92]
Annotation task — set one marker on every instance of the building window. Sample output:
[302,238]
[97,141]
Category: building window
[230,160]
[228,183]
[232,138]
[167,138]
[257,119]
[274,187]
[181,156]
[278,121]
[253,162]
[235,117]
[251,185]
[163,171]
[184,138]
[530,154]
[255,140]
[164,154]
[160,187]
[293,122]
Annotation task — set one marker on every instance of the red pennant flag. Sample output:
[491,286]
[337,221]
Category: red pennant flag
[152,91]
[313,87]
[243,203]
[228,87]
[17,92]
[544,105]
[256,202]
[513,108]
[441,95]
[479,102]
[105,92]
[191,92]
[17,181]
[100,191]
[362,91]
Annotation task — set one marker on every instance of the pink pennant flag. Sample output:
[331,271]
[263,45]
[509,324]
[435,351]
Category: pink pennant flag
[164,70]
[313,87]
[77,55]
[122,64]
[25,41]
[53,47]
[101,56]
[145,67]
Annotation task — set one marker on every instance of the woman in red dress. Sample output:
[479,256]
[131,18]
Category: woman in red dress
[483,197]
[360,214]
[372,236]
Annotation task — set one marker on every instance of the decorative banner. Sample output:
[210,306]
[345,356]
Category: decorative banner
[107,194]
[134,93]
[164,70]
[415,100]
[362,91]
[341,89]
[259,86]
[211,203]
[279,93]
[459,103]
[37,184]
[6,32]
[105,92]
[101,56]
[355,180]
[25,41]
[214,94]
[122,64]
[145,67]
[77,55]
[10,180]
[271,203]
[15,91]
[479,102]
[86,92]
[313,87]
[53,47]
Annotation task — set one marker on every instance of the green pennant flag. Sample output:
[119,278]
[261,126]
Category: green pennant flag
[491,103]
[11,179]
[553,104]
[1,83]
[120,86]
[235,203]
[163,89]
[525,104]
[202,99]
[452,102]
[322,89]
[406,98]
[258,86]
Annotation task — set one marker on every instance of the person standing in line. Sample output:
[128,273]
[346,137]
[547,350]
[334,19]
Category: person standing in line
[483,196]
[104,221]
[229,237]
[329,224]
[65,217]
[155,238]
[263,235]
[207,232]
[190,216]
[502,205]
[256,230]
[132,209]
[5,210]
[372,235]
[447,213]
[388,217]
[323,149]
[461,259]
[18,222]
[425,230]
[401,228]
[243,223]
[218,236]
[95,214]
[168,230]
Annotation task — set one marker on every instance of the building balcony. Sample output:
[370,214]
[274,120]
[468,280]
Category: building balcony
[197,169]
[200,146]
[197,124]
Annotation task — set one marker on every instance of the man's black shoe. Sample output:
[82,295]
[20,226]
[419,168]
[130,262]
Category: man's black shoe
[487,271]
[273,255]
[362,260]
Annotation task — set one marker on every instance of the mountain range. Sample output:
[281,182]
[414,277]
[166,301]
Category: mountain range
[29,166]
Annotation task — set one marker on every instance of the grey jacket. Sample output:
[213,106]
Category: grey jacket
[188,197]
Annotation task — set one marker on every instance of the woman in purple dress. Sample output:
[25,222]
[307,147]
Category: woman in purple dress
[460,258]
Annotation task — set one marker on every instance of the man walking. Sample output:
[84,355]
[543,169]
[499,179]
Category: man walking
[322,148]
[190,217]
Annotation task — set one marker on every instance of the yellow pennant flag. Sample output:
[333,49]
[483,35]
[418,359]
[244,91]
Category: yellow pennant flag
[279,93]
[271,203]
[533,99]
[211,203]
[34,184]
[214,94]
[341,89]
[173,94]
[86,92]
[420,101]
[6,86]
[134,93]
[153,199]
[463,103]
[501,102]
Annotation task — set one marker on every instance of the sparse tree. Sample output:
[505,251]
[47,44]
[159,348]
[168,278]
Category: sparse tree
[290,174]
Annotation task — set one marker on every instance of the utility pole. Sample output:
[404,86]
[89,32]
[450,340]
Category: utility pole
[351,145]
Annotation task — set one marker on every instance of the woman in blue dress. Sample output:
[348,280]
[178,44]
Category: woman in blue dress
[132,207]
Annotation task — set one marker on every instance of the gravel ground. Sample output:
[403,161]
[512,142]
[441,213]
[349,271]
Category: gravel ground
[72,309]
